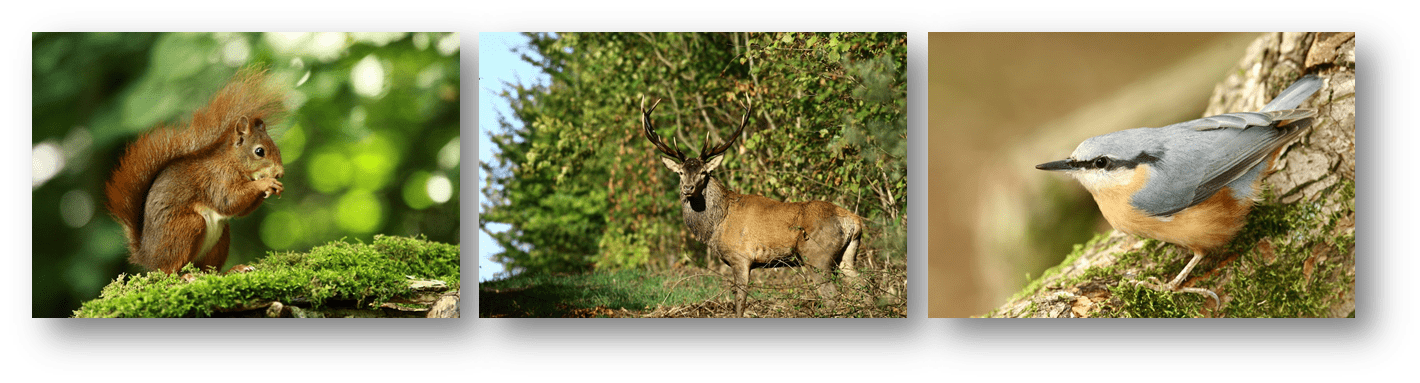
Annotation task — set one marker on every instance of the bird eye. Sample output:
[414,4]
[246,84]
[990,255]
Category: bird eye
[1100,163]
[260,151]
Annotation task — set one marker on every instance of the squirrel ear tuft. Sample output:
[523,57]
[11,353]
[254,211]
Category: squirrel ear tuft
[243,125]
[242,128]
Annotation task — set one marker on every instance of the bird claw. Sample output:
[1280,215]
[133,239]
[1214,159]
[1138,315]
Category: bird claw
[1216,302]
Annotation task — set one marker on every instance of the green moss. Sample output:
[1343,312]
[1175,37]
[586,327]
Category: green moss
[366,274]
[1287,292]
[1137,301]
[1279,284]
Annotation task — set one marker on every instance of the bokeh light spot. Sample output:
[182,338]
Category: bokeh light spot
[359,211]
[449,154]
[47,161]
[375,160]
[414,191]
[76,207]
[329,172]
[368,77]
[281,230]
[440,189]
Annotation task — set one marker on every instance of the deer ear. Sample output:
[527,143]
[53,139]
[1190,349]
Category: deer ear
[670,164]
[713,163]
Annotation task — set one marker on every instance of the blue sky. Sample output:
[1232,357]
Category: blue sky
[496,64]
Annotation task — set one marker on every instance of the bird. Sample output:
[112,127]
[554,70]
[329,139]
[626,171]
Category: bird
[1191,183]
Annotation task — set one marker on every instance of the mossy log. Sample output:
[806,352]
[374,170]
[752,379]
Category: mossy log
[392,277]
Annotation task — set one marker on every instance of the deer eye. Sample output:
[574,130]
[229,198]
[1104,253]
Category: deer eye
[260,152]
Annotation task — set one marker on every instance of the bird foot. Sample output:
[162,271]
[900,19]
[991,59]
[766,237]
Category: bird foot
[1153,283]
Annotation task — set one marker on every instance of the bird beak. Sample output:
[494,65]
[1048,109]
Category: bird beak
[1055,165]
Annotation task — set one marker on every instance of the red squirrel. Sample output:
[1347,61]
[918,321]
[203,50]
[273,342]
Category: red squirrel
[175,187]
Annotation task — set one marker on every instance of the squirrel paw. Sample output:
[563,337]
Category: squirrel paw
[269,186]
[241,269]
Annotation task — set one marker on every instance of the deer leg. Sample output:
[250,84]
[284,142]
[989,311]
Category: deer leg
[821,274]
[741,286]
[850,256]
[822,264]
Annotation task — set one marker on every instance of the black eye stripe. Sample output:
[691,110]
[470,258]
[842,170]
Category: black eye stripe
[1146,158]
[1111,163]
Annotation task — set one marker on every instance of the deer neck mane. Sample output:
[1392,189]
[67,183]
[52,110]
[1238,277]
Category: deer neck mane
[704,213]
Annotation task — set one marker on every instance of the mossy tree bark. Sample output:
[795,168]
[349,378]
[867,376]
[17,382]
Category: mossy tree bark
[1295,257]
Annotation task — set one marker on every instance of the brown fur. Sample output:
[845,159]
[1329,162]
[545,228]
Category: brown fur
[758,232]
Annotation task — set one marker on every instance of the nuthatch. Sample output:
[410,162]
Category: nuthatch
[1191,183]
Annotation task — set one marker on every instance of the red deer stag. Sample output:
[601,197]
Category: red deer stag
[748,231]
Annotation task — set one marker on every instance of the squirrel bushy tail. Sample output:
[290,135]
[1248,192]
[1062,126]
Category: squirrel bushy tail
[248,95]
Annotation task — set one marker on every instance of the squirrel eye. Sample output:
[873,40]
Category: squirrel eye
[1101,163]
[260,151]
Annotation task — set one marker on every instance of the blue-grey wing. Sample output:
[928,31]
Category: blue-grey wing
[1248,150]
[1243,120]
[1200,162]
[1202,156]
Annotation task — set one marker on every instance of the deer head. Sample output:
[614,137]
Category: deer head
[694,171]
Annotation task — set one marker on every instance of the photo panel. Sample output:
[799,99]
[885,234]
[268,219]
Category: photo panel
[597,203]
[1238,200]
[246,174]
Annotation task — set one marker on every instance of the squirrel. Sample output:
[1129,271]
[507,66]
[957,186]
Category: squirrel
[176,186]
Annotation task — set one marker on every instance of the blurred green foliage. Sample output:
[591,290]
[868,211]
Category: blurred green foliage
[366,143]
[581,187]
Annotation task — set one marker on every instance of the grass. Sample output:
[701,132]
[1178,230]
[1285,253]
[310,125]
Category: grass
[688,292]
[590,294]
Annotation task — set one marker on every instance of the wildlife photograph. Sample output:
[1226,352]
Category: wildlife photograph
[307,175]
[1142,175]
[693,175]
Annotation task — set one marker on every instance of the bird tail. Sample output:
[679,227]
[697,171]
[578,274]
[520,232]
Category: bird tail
[1295,94]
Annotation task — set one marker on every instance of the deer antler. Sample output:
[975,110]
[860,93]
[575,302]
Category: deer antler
[650,131]
[705,155]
